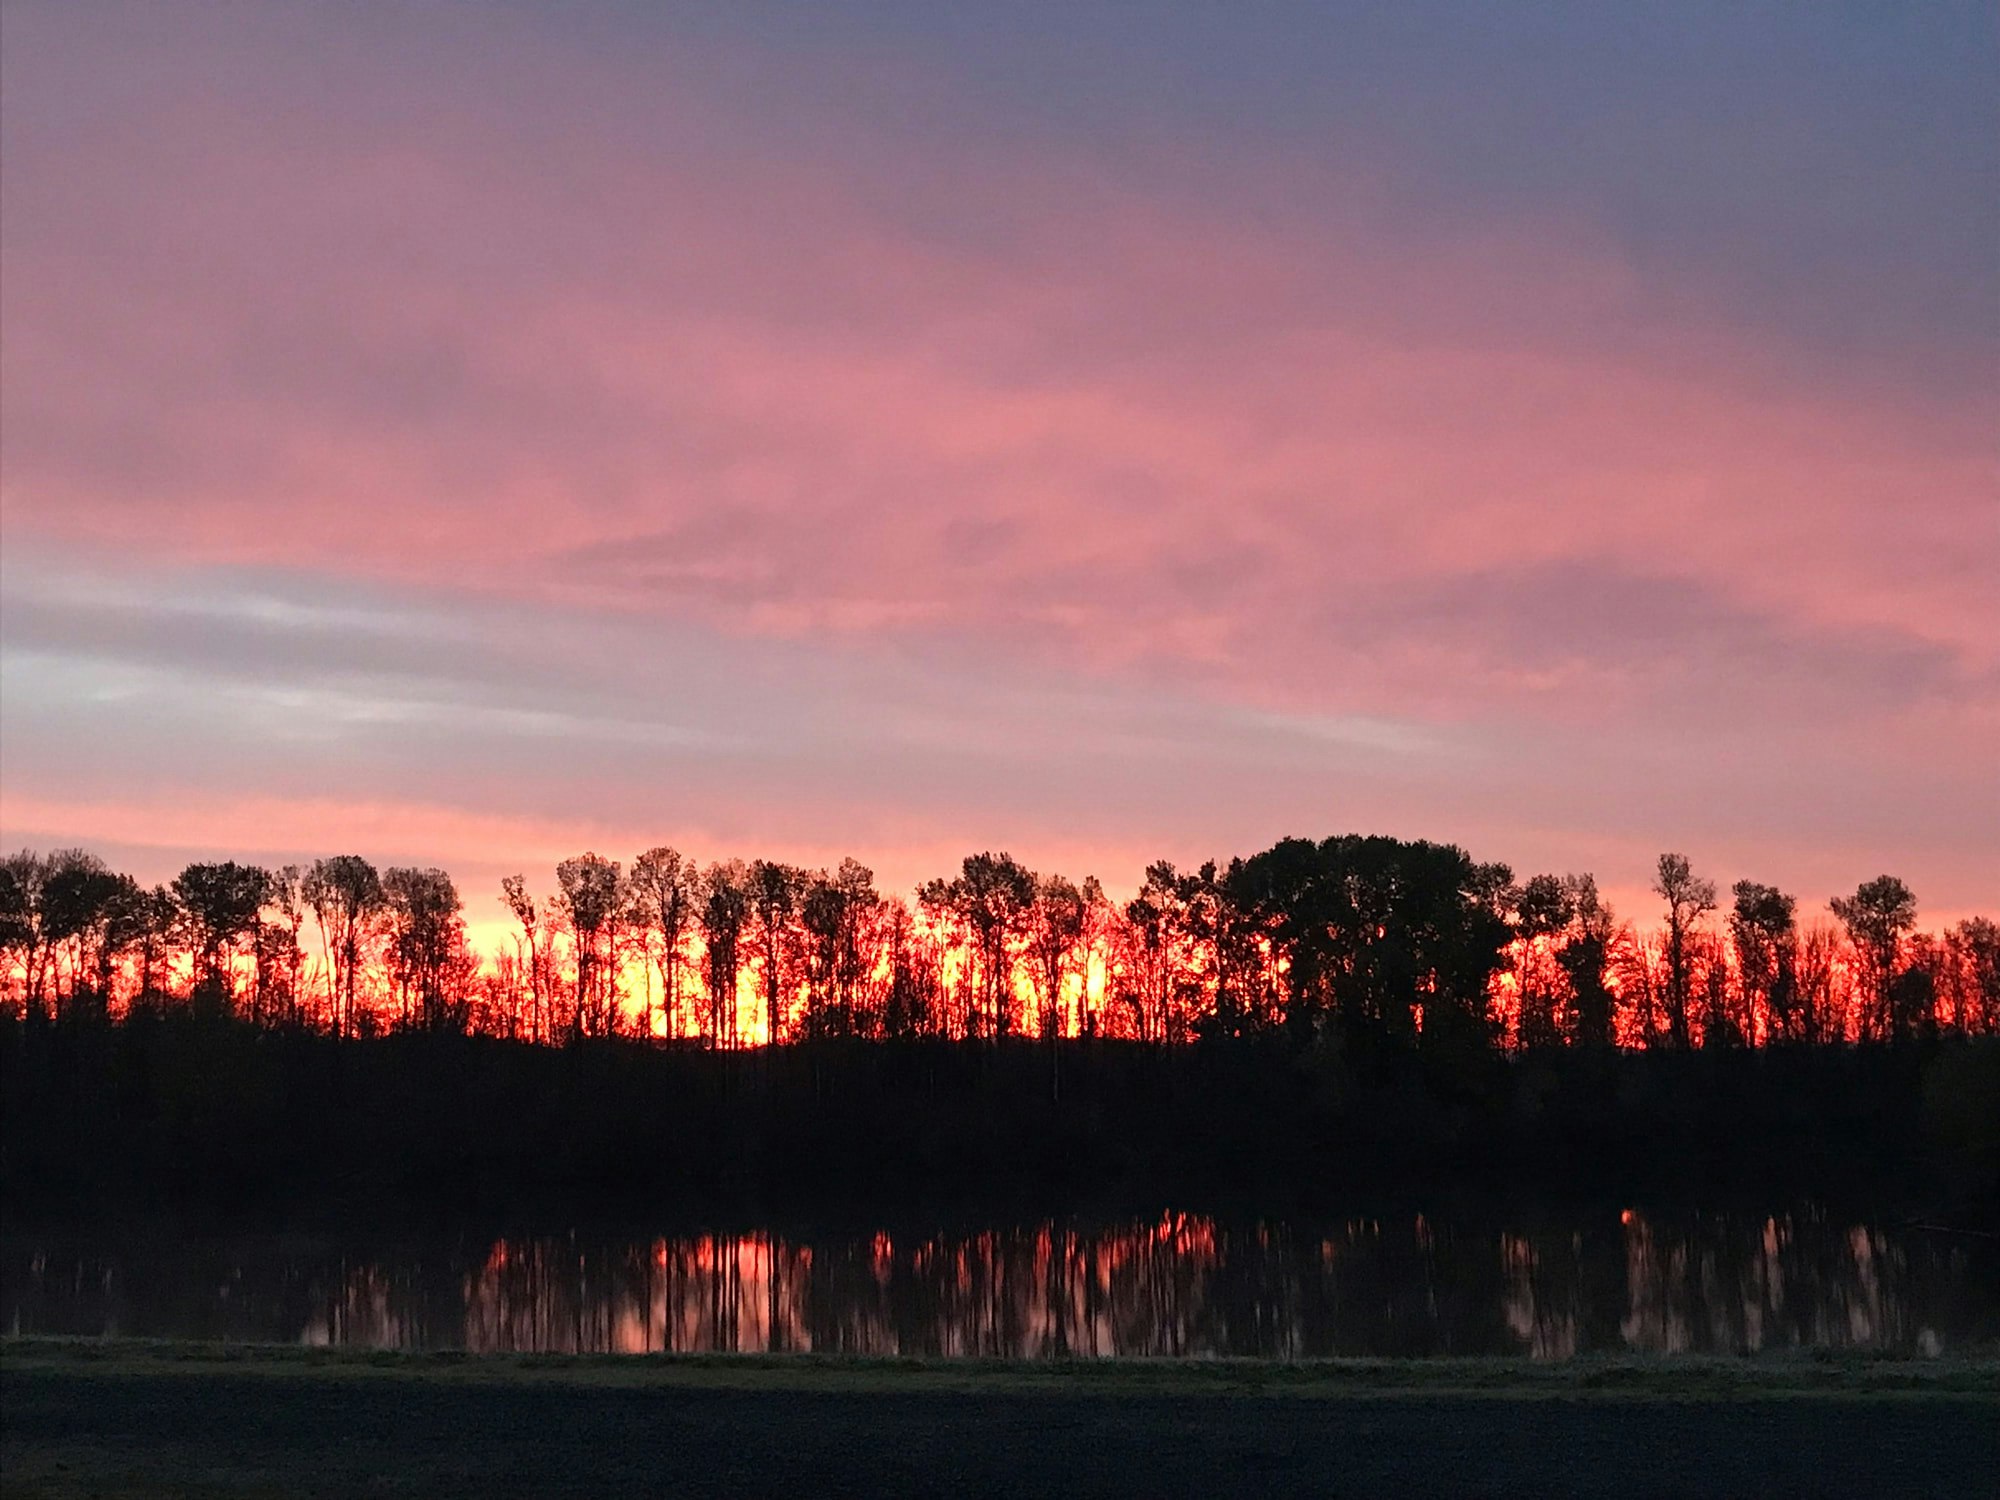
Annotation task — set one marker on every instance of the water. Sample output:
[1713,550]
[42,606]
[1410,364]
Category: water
[1180,1285]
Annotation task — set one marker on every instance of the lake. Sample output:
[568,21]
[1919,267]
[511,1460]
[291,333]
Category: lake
[1189,1285]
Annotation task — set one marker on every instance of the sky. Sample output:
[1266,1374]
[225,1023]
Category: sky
[466,435]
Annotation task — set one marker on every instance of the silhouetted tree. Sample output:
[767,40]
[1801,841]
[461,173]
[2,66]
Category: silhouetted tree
[1285,894]
[535,954]
[24,923]
[345,895]
[1224,940]
[1388,937]
[1877,916]
[278,954]
[1913,993]
[1057,929]
[1974,946]
[666,896]
[989,902]
[220,903]
[1542,914]
[1720,1000]
[1161,921]
[89,917]
[1823,1015]
[839,914]
[914,1002]
[592,902]
[1586,958]
[1764,929]
[774,899]
[1688,899]
[156,918]
[427,949]
[725,911]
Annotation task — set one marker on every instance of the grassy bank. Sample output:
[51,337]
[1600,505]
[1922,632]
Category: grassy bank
[134,1421]
[1777,1376]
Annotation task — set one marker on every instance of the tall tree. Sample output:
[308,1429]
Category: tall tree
[24,933]
[1877,917]
[1058,927]
[427,951]
[90,917]
[838,915]
[725,910]
[1975,950]
[774,901]
[535,953]
[1542,915]
[1689,898]
[1824,1014]
[156,918]
[913,1003]
[345,895]
[1586,957]
[988,901]
[1764,929]
[221,903]
[592,902]
[1163,921]
[1224,952]
[666,899]
[278,952]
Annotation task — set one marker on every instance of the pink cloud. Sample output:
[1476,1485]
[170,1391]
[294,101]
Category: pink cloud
[791,416]
[640,351]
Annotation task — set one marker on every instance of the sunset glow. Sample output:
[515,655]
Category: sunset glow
[1081,747]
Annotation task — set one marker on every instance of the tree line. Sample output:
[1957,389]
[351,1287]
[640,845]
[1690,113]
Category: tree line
[1370,941]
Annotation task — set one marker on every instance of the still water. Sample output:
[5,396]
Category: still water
[1184,1285]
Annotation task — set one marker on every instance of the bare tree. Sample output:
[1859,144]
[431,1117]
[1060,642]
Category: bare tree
[989,902]
[666,898]
[837,913]
[592,902]
[427,952]
[345,895]
[24,930]
[537,939]
[1722,1014]
[279,955]
[157,918]
[1688,899]
[1057,928]
[725,911]
[1975,963]
[913,1004]
[774,901]
[1163,918]
[1822,1015]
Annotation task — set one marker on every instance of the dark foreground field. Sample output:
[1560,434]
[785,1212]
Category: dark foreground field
[84,1419]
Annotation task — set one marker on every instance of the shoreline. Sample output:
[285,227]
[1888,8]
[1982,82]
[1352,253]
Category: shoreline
[1787,1375]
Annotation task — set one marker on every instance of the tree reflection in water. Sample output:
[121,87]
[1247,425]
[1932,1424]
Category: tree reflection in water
[1181,1285]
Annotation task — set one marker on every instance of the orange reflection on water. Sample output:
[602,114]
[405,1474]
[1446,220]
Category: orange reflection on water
[1172,1285]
